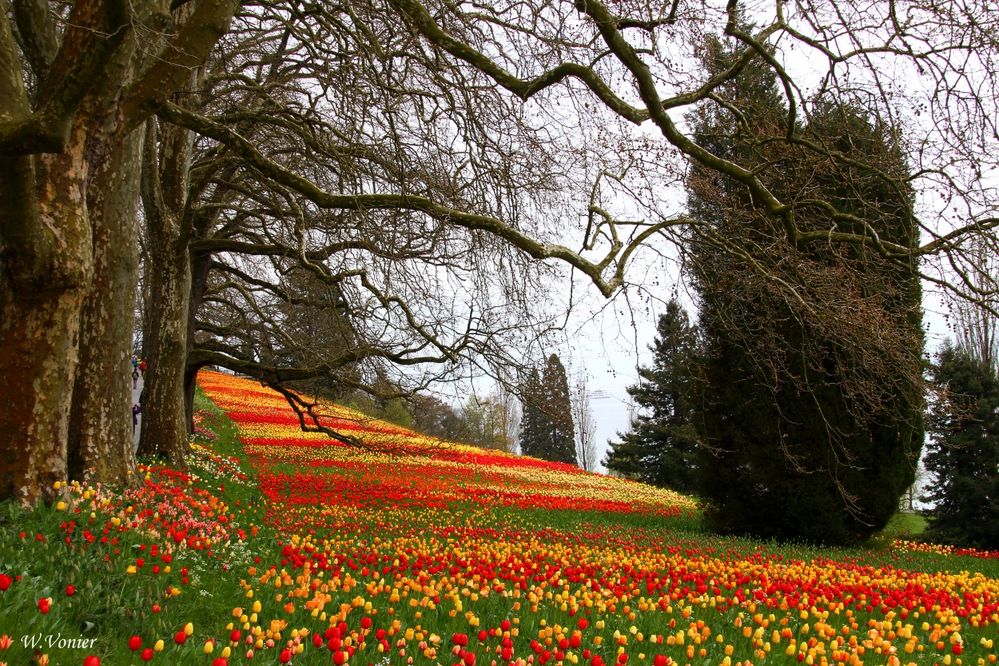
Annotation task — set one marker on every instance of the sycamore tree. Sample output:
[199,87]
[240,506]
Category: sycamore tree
[77,81]
[245,257]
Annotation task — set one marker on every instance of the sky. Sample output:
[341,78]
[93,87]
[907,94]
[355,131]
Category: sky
[608,341]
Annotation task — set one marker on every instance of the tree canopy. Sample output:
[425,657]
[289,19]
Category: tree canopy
[811,395]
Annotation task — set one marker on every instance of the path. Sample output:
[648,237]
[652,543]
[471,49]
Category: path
[136,392]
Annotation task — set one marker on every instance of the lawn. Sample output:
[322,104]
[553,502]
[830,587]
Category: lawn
[277,546]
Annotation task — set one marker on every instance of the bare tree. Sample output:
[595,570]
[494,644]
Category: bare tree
[977,329]
[586,425]
[509,413]
[892,58]
[76,80]
[417,292]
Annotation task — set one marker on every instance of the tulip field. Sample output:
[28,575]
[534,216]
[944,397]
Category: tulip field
[277,546]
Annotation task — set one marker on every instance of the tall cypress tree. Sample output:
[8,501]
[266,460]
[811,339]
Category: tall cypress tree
[810,422]
[661,446]
[963,455]
[558,440]
[532,422]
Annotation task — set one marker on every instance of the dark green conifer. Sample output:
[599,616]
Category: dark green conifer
[963,454]
[559,435]
[661,446]
[810,406]
[532,421]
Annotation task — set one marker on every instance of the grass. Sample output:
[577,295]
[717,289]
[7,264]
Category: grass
[102,544]
[46,549]
[906,525]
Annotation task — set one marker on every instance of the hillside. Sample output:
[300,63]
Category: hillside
[279,546]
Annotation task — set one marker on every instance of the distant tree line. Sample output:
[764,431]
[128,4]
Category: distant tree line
[487,421]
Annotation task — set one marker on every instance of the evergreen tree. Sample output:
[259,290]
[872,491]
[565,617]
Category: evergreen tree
[532,423]
[661,446]
[811,427]
[558,439]
[963,455]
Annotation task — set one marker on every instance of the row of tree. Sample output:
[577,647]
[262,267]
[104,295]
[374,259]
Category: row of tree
[488,421]
[416,171]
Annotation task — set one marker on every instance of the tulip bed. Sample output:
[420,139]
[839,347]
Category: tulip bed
[278,546]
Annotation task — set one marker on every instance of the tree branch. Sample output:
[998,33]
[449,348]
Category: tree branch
[240,146]
[186,51]
[96,29]
[37,35]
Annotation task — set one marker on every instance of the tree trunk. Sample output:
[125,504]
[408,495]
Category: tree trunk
[46,267]
[46,242]
[85,103]
[201,264]
[164,429]
[100,430]
[165,171]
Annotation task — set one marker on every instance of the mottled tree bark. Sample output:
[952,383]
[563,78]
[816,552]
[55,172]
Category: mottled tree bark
[200,267]
[165,171]
[164,429]
[89,94]
[45,275]
[100,430]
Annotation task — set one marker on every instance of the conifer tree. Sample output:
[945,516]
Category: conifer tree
[532,423]
[810,426]
[660,448]
[558,439]
[963,455]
